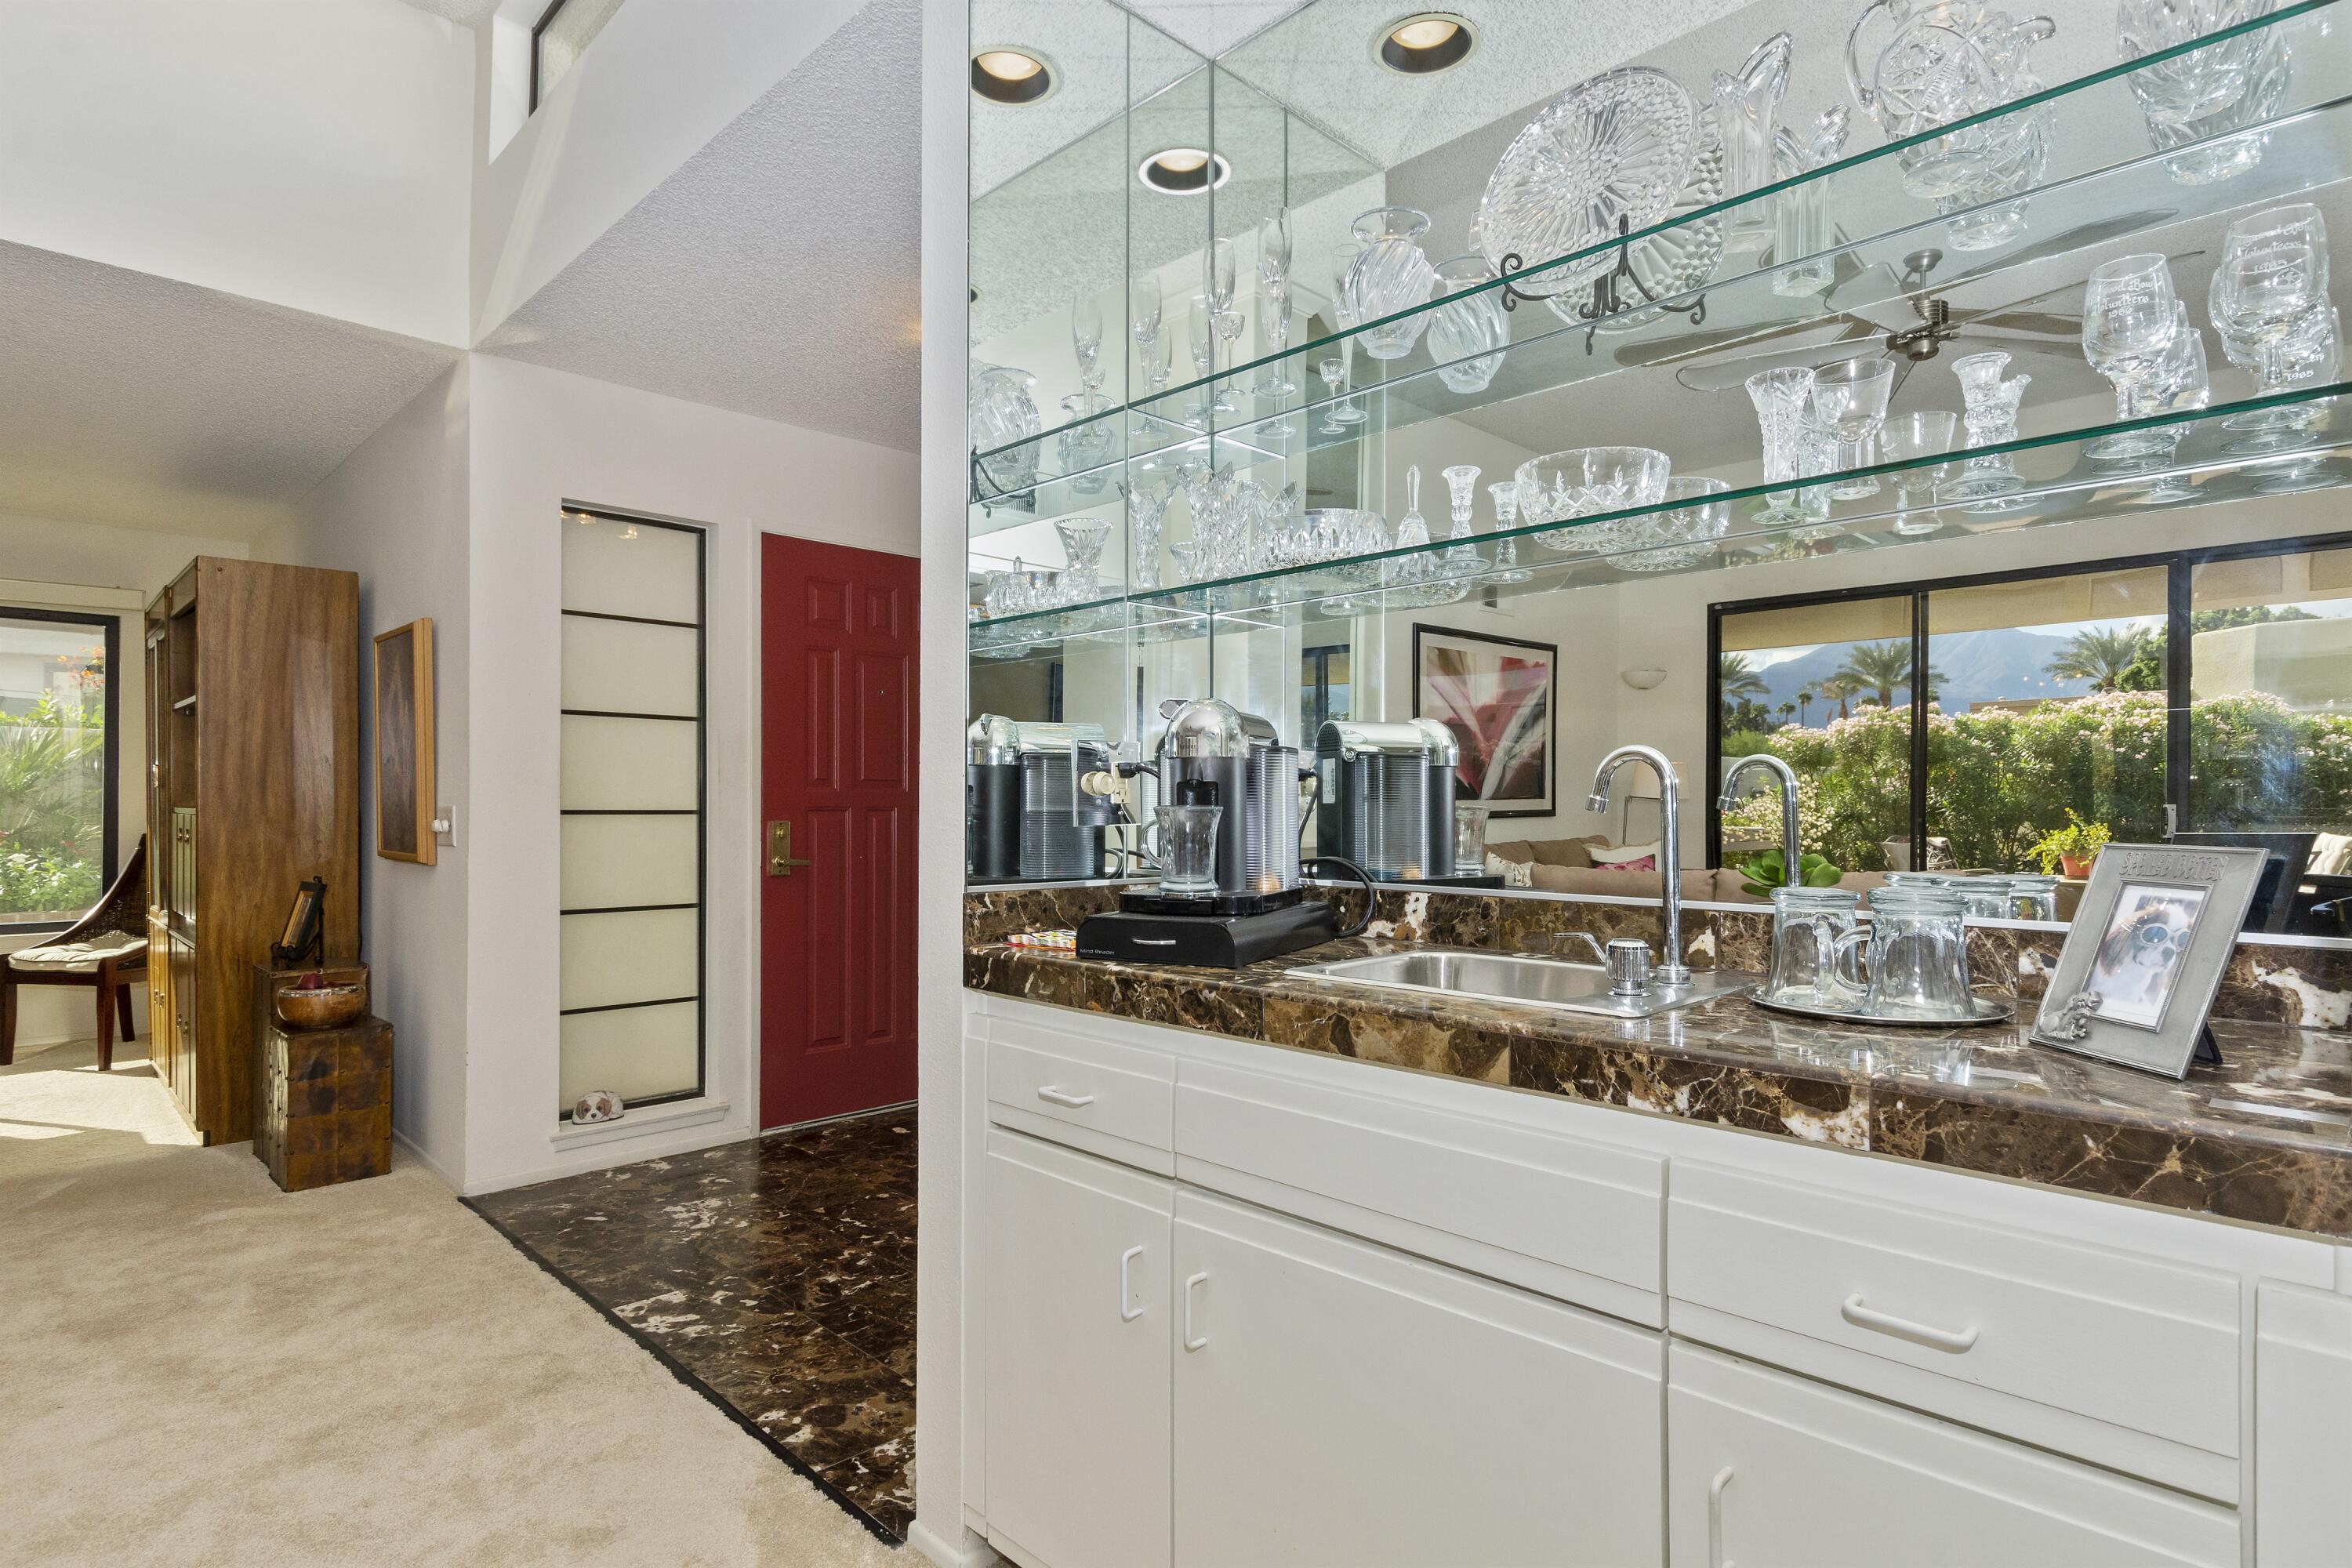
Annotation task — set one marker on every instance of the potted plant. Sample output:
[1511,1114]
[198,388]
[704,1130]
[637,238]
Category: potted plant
[2069,850]
[1765,872]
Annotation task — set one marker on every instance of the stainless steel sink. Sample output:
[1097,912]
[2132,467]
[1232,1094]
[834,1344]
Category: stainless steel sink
[1544,981]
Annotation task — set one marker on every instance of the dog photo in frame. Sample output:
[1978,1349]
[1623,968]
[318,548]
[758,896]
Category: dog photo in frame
[2145,956]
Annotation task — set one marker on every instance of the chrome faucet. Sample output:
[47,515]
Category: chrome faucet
[1671,969]
[1734,771]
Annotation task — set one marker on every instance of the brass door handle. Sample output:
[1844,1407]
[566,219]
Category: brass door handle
[779,850]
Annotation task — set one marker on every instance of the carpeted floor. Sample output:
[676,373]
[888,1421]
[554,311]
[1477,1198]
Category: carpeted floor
[199,1369]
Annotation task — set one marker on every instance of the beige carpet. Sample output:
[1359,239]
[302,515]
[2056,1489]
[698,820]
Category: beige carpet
[199,1369]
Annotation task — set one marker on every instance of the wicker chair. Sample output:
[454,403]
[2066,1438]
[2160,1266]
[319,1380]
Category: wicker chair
[101,950]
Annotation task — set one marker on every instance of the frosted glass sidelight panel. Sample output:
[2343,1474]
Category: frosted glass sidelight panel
[616,861]
[627,666]
[642,957]
[631,765]
[638,1053]
[612,567]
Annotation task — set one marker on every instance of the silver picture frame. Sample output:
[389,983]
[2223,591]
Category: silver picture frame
[2145,953]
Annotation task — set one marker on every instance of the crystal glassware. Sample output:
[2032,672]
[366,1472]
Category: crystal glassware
[1082,548]
[1182,557]
[1780,396]
[1605,158]
[1674,258]
[1086,336]
[1916,948]
[1413,530]
[1085,443]
[2314,356]
[1990,406]
[1188,848]
[1747,117]
[1807,924]
[1333,369]
[2130,315]
[1684,536]
[1147,511]
[1201,343]
[1586,481]
[1506,494]
[2183,382]
[1958,59]
[1390,275]
[1466,335]
[1801,229]
[1850,401]
[1001,410]
[1462,486]
[1905,438]
[2193,100]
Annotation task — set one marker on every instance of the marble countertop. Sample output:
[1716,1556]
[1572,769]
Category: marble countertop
[2264,1138]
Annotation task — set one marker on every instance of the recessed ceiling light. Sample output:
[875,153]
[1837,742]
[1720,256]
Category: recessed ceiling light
[1424,43]
[1184,171]
[1002,74]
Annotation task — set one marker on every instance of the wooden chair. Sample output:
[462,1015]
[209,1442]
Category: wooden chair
[100,950]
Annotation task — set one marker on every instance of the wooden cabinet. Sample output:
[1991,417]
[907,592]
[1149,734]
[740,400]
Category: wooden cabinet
[252,788]
[1077,1357]
[1767,1470]
[1343,1405]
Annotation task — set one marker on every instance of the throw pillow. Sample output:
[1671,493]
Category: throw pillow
[1626,857]
[1515,873]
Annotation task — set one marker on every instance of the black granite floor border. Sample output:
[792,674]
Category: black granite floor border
[678,1370]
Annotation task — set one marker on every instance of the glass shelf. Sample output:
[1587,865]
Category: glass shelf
[2102,186]
[2056,478]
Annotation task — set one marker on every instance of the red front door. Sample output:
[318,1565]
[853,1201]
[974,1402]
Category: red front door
[837,764]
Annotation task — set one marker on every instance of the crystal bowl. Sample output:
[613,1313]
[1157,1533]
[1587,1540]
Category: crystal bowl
[1584,480]
[1666,540]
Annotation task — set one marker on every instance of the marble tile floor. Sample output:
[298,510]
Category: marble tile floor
[777,1276]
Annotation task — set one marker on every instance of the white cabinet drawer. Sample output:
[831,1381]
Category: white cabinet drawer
[1567,1217]
[2122,1359]
[1108,1100]
[1766,1470]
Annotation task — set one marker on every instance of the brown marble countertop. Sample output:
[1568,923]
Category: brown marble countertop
[2265,1137]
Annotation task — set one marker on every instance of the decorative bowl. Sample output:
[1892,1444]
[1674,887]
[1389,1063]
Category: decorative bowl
[1684,537]
[1560,487]
[321,1008]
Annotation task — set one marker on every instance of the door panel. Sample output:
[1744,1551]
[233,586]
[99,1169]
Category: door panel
[1767,1470]
[1078,1339]
[1343,1405]
[837,715]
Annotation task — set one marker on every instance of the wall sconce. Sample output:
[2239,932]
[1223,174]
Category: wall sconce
[1641,679]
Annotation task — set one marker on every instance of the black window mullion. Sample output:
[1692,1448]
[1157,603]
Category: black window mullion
[2180,580]
[109,847]
[1918,732]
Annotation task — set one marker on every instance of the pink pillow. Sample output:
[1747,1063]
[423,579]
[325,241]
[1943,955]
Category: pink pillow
[1627,857]
[1647,863]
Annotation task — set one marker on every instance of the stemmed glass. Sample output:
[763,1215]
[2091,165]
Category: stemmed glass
[1462,484]
[1850,402]
[2131,318]
[2269,299]
[1506,552]
[1273,255]
[1201,342]
[1145,308]
[1333,369]
[1343,259]
[1220,276]
[1905,437]
[1086,336]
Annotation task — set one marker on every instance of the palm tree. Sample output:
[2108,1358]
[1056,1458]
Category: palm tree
[1735,677]
[2099,655]
[1804,700]
[1787,711]
[1837,689]
[1881,668]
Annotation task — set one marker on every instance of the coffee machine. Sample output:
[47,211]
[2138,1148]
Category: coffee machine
[1029,813]
[1385,798]
[1213,754]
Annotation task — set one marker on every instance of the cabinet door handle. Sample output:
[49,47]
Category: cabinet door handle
[1126,1314]
[1714,1518]
[1053,1096]
[1862,1317]
[1193,1343]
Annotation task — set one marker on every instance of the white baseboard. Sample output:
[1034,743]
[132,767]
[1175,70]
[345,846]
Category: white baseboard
[428,1161]
[922,1538]
[654,1145]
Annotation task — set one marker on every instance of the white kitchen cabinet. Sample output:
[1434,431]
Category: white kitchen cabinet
[1078,1347]
[1341,1403]
[1769,1470]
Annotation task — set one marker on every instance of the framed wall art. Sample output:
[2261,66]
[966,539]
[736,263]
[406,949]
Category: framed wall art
[404,742]
[1495,695]
[2146,952]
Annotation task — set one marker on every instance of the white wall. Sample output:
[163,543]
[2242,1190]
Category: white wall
[313,153]
[395,512]
[539,438]
[660,81]
[50,565]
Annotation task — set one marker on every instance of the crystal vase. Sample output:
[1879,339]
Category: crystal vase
[1506,551]
[1780,396]
[1082,549]
[1801,229]
[1390,274]
[1467,333]
[1147,511]
[1748,116]
[1989,414]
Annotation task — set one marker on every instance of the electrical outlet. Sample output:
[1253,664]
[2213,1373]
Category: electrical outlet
[444,825]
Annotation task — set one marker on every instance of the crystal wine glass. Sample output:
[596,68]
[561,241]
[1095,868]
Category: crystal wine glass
[2269,300]
[2311,356]
[1086,336]
[1201,343]
[1905,437]
[1228,325]
[1144,302]
[2129,319]
[1273,258]
[1333,369]
[1506,552]
[1850,401]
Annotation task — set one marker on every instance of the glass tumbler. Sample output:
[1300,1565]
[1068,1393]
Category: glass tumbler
[1469,838]
[1913,955]
[1187,850]
[1807,925]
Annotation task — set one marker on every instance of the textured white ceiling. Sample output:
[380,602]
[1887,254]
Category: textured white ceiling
[469,12]
[134,400]
[1212,26]
[776,273]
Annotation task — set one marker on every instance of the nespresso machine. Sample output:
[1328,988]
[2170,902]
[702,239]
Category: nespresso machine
[1385,799]
[1029,813]
[1214,755]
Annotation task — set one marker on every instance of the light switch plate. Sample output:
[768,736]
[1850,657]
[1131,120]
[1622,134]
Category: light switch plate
[444,825]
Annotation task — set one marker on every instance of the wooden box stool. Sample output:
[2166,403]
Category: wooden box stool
[322,1098]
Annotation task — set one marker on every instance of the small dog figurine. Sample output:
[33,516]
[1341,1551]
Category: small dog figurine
[2073,1017]
[596,1105]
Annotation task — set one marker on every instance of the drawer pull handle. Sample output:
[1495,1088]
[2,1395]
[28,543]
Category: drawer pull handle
[1714,1518]
[1053,1096]
[1190,1341]
[1862,1317]
[1126,1315]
